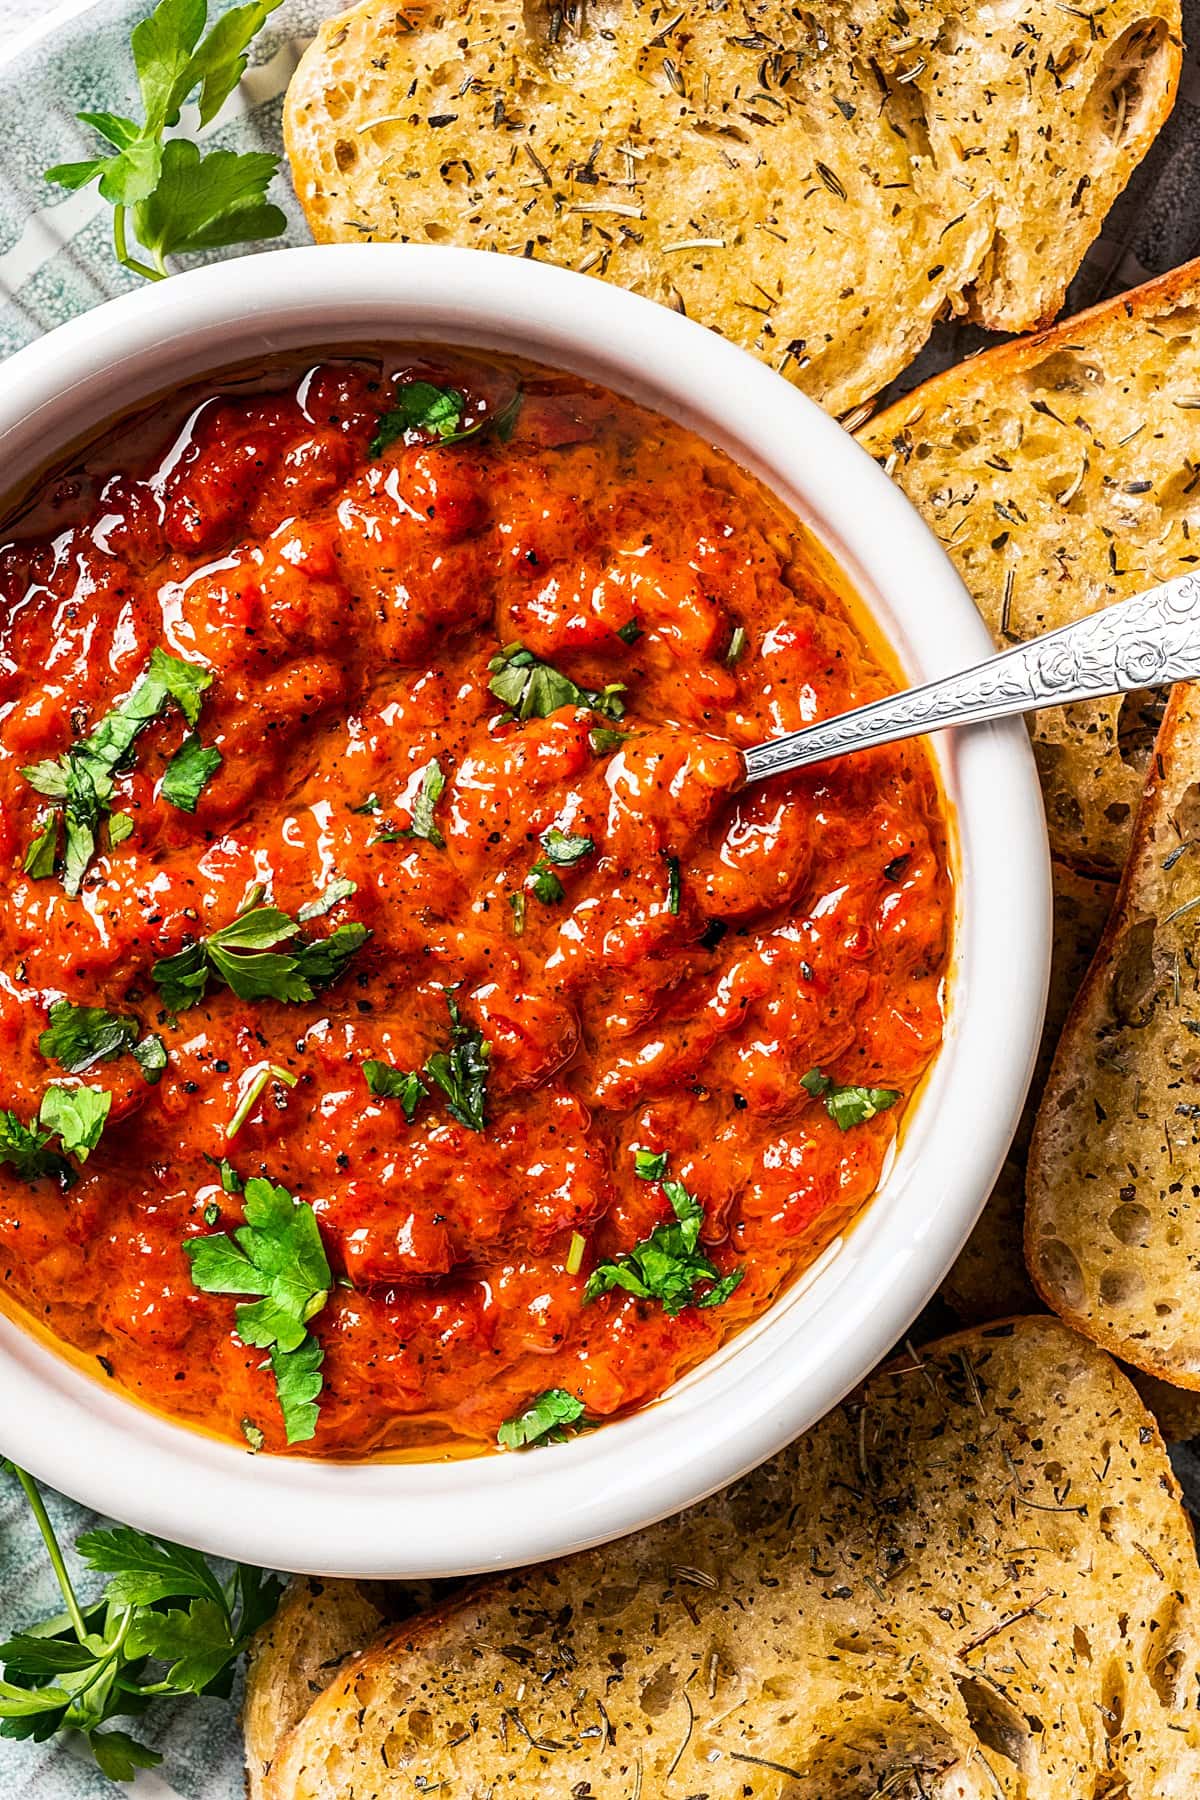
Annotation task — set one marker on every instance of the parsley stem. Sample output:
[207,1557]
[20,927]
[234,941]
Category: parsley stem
[38,1508]
[122,250]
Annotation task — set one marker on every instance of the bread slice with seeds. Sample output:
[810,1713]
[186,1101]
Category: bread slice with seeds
[1112,1226]
[819,184]
[974,1578]
[1062,473]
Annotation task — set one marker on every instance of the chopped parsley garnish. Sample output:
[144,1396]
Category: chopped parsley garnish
[433,784]
[668,1266]
[278,1256]
[545,883]
[83,778]
[188,772]
[76,1115]
[848,1106]
[543,1421]
[42,853]
[630,632]
[25,1150]
[602,740]
[79,1036]
[260,1079]
[674,889]
[461,1072]
[532,689]
[566,847]
[339,889]
[424,410]
[388,1083]
[120,826]
[247,957]
[166,1626]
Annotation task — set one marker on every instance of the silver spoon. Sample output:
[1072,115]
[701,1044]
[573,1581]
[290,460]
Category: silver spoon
[1147,641]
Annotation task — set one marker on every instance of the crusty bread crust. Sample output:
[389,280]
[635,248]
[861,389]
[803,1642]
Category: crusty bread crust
[1056,471]
[818,184]
[973,1578]
[294,1658]
[1112,1225]
[988,1279]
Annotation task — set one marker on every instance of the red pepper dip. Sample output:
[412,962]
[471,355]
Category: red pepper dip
[413,1035]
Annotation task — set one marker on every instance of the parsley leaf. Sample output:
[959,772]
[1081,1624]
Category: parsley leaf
[566,847]
[83,778]
[188,772]
[42,853]
[388,1083]
[339,889]
[424,410]
[462,1071]
[298,1383]
[277,1256]
[76,1115]
[120,826]
[166,1626]
[151,1057]
[433,784]
[543,1421]
[180,201]
[245,955]
[848,1106]
[668,1265]
[78,1036]
[533,689]
[23,1148]
[545,883]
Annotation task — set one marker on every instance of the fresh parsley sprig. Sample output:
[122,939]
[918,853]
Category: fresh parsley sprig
[176,199]
[562,849]
[278,1257]
[848,1106]
[247,956]
[165,1627]
[533,689]
[82,779]
[668,1266]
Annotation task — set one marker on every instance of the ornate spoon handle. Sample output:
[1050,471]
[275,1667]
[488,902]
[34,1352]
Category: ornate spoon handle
[1146,641]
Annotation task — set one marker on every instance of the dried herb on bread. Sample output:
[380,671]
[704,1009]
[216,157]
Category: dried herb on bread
[1062,474]
[1112,1227]
[818,184]
[973,1578]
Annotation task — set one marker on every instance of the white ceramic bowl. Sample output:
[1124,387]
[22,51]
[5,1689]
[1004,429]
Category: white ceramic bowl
[800,1358]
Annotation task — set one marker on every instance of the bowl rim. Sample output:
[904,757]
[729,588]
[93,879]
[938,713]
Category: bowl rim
[784,1372]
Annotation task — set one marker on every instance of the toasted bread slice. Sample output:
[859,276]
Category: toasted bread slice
[988,1279]
[818,184]
[1112,1227]
[1062,473]
[296,1655]
[974,1578]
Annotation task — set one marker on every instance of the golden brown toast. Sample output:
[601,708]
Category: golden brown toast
[820,184]
[974,1578]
